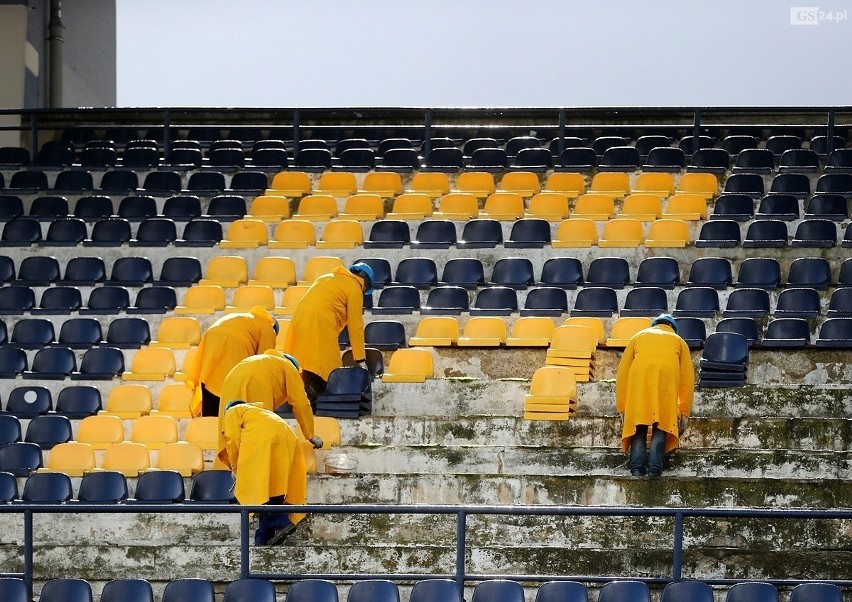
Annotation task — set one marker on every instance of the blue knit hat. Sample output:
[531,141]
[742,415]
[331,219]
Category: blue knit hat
[367,273]
[294,361]
[665,319]
[233,403]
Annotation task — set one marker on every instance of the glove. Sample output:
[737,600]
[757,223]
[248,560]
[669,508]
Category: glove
[316,442]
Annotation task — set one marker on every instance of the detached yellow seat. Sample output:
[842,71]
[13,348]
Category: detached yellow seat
[249,296]
[660,184]
[182,456]
[316,208]
[226,271]
[483,331]
[245,234]
[293,234]
[595,324]
[317,266]
[100,431]
[503,206]
[127,457]
[364,207]
[573,341]
[570,184]
[622,232]
[128,401]
[269,208]
[478,183]
[432,183]
[326,428]
[411,205]
[595,206]
[154,430]
[458,206]
[341,234]
[409,366]
[525,183]
[531,331]
[178,332]
[277,272]
[552,206]
[72,457]
[386,184]
[552,396]
[686,206]
[642,206]
[202,299]
[705,184]
[624,328]
[174,400]
[575,233]
[668,233]
[615,184]
[436,331]
[337,183]
[151,363]
[203,431]
[290,298]
[290,184]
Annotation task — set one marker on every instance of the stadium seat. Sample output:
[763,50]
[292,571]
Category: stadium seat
[531,331]
[457,206]
[645,301]
[38,270]
[411,206]
[625,327]
[103,487]
[692,330]
[166,487]
[13,361]
[575,233]
[151,363]
[697,302]
[127,590]
[815,233]
[398,299]
[480,234]
[127,458]
[29,401]
[622,232]
[388,234]
[497,590]
[78,401]
[275,272]
[721,233]
[100,363]
[663,272]
[578,159]
[436,331]
[495,301]
[200,232]
[341,234]
[128,333]
[312,590]
[20,458]
[528,233]
[317,266]
[434,234]
[129,401]
[615,184]
[595,301]
[687,591]
[365,206]
[551,206]
[759,272]
[645,207]
[373,590]
[786,333]
[183,457]
[755,591]
[348,393]
[478,183]
[564,272]
[483,331]
[503,206]
[51,363]
[570,185]
[594,206]
[514,272]
[245,234]
[798,303]
[48,430]
[213,487]
[10,429]
[13,589]
[612,272]
[827,206]
[293,234]
[407,365]
[433,183]
[784,207]
[751,302]
[817,592]
[32,333]
[290,298]
[747,327]
[545,301]
[201,299]
[21,232]
[686,206]
[766,233]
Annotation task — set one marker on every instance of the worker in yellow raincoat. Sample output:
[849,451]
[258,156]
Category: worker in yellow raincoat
[334,301]
[654,388]
[271,379]
[229,340]
[269,468]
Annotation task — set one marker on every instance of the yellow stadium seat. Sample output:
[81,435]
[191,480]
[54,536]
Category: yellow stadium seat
[341,234]
[552,206]
[154,430]
[624,328]
[316,208]
[503,206]
[409,366]
[596,206]
[174,400]
[478,183]
[246,297]
[411,205]
[531,331]
[690,207]
[127,457]
[245,234]
[72,457]
[337,183]
[673,233]
[615,184]
[364,207]
[436,331]
[225,270]
[277,272]
[283,325]
[595,324]
[290,184]
[151,363]
[552,396]
[182,456]
[269,208]
[622,232]
[570,184]
[326,428]
[657,183]
[705,184]
[433,183]
[204,431]
[386,184]
[291,297]
[202,299]
[178,332]
[128,401]
[457,205]
[293,234]
[188,360]
[483,331]
[642,206]
[317,266]
[573,341]
[575,233]
[525,183]
[100,431]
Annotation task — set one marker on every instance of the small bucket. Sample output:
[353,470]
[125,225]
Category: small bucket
[340,464]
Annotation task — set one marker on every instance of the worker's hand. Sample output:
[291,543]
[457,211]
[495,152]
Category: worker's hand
[316,442]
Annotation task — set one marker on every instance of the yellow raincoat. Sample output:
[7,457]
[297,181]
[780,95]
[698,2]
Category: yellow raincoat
[265,455]
[270,380]
[654,383]
[229,340]
[334,301]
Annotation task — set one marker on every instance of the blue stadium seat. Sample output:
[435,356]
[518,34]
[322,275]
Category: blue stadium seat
[256,590]
[348,393]
[74,181]
[102,487]
[66,590]
[127,590]
[737,207]
[746,183]
[612,272]
[11,206]
[753,591]
[723,233]
[545,301]
[20,458]
[419,272]
[687,591]
[745,326]
[751,302]
[181,590]
[645,301]
[710,271]
[83,271]
[778,206]
[397,300]
[495,301]
[798,303]
[840,303]
[595,301]
[385,335]
[624,591]
[447,590]
[813,272]
[10,431]
[212,487]
[79,401]
[834,332]
[32,333]
[21,232]
[498,590]
[128,333]
[480,234]
[658,271]
[564,272]
[52,363]
[98,363]
[312,590]
[48,430]
[827,206]
[446,300]
[760,272]
[434,234]
[528,233]
[137,208]
[160,487]
[815,233]
[388,234]
[13,589]
[59,300]
[375,590]
[29,401]
[563,591]
[154,300]
[786,333]
[697,302]
[765,233]
[130,271]
[107,300]
[65,232]
[467,272]
[155,232]
[179,271]
[514,272]
[109,232]
[80,333]
[692,330]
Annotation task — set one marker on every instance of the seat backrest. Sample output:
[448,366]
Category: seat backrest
[564,591]
[13,590]
[687,591]
[256,590]
[214,486]
[753,591]
[312,590]
[624,591]
[373,590]
[66,590]
[103,487]
[47,487]
[436,590]
[181,590]
[127,590]
[498,590]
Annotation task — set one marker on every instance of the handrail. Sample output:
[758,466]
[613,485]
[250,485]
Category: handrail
[460,574]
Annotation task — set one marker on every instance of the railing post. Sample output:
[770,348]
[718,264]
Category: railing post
[28,552]
[167,138]
[561,144]
[829,134]
[696,130]
[461,544]
[244,545]
[677,548]
[34,134]
[297,118]
[427,134]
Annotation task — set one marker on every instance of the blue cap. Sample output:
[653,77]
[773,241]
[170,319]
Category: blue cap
[367,272]
[293,360]
[233,403]
[665,319]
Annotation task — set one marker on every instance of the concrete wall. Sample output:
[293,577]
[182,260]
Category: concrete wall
[90,46]
[13,30]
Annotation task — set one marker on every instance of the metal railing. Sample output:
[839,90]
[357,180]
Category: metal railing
[461,512]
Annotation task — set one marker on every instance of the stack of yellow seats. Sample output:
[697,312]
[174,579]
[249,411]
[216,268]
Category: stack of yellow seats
[573,347]
[553,394]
